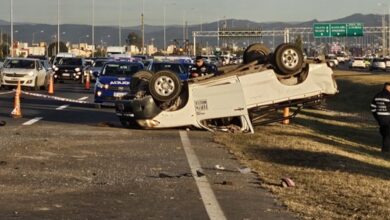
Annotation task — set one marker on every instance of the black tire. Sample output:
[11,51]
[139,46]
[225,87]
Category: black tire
[287,59]
[165,86]
[257,52]
[137,80]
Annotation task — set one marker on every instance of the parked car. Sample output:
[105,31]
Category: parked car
[332,59]
[378,64]
[29,72]
[69,68]
[358,62]
[96,68]
[238,99]
[114,81]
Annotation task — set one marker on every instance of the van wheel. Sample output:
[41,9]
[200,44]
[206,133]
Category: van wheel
[165,86]
[287,59]
[257,52]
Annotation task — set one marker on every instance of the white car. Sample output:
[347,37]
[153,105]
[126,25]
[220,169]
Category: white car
[238,99]
[378,64]
[358,63]
[29,72]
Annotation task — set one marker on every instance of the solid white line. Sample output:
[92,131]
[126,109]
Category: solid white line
[62,107]
[210,202]
[83,98]
[32,121]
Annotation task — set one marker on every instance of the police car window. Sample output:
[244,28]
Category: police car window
[172,67]
[99,63]
[120,70]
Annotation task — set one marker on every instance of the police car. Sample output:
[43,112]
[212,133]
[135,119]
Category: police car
[114,81]
[174,66]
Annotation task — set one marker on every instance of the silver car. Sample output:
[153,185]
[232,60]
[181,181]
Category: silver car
[29,72]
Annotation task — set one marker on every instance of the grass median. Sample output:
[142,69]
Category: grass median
[333,155]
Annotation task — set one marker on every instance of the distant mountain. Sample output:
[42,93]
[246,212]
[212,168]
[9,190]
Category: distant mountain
[110,35]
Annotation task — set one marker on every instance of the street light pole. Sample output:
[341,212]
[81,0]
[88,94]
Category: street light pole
[143,27]
[165,32]
[12,29]
[93,28]
[58,26]
[119,23]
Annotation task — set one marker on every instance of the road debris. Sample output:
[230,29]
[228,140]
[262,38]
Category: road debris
[3,123]
[169,176]
[244,170]
[287,182]
[219,167]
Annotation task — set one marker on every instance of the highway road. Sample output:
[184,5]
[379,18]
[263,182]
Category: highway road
[73,161]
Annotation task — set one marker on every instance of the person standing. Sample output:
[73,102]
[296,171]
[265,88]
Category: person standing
[380,108]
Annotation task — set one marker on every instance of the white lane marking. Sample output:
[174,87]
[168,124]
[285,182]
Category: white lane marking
[62,107]
[210,202]
[83,98]
[32,121]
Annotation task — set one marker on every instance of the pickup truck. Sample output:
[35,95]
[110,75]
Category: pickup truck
[237,99]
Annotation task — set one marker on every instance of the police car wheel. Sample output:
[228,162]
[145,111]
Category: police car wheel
[287,59]
[165,86]
[257,52]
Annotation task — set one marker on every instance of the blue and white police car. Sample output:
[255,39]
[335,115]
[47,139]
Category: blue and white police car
[113,82]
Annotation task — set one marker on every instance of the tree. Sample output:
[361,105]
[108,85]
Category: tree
[134,39]
[99,52]
[298,42]
[4,50]
[52,50]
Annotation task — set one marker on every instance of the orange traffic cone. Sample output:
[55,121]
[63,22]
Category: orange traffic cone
[286,113]
[17,113]
[51,86]
[87,82]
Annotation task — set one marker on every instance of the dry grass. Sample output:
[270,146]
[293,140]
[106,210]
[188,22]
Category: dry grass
[333,156]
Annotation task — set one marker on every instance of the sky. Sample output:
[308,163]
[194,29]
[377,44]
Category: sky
[128,12]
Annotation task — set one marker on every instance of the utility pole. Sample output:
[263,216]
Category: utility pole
[58,26]
[119,23]
[143,27]
[11,45]
[384,34]
[93,28]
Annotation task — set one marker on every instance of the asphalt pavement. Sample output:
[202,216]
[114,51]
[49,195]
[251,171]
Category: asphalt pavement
[73,161]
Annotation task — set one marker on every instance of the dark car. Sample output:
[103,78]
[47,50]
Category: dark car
[69,68]
[175,67]
[114,81]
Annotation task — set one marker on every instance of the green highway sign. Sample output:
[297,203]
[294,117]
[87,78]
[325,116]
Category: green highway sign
[338,30]
[355,30]
[321,30]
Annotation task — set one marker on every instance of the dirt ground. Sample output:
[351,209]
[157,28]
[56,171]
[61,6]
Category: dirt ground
[333,155]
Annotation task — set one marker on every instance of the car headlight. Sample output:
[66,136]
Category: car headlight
[106,86]
[56,69]
[77,69]
[100,85]
[31,74]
